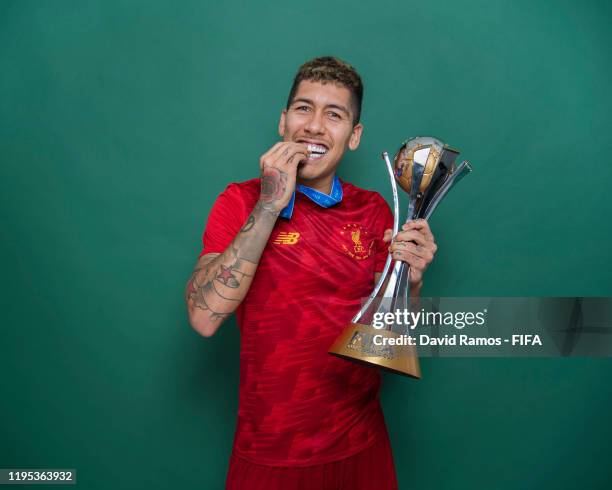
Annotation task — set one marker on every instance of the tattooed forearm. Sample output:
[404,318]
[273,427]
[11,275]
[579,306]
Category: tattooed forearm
[226,276]
[203,294]
[220,281]
[249,224]
[203,305]
[221,295]
[192,286]
[273,184]
[255,240]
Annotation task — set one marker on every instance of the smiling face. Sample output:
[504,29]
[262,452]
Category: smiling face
[320,116]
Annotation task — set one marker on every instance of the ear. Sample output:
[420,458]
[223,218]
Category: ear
[281,123]
[355,137]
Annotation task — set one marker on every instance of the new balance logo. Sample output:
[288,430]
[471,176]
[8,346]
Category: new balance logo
[290,238]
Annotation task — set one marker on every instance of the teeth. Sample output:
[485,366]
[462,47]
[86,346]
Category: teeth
[316,149]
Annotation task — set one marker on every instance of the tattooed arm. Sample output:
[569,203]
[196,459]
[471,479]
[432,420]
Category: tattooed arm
[221,281]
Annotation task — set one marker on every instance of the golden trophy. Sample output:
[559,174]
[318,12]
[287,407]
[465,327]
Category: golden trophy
[425,169]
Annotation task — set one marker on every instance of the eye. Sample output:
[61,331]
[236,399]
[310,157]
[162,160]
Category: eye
[302,108]
[334,115]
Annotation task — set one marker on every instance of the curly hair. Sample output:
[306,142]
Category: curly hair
[330,69]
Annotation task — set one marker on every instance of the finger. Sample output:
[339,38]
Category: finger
[422,243]
[274,149]
[416,223]
[419,224]
[288,154]
[412,236]
[388,235]
[423,252]
[269,155]
[297,158]
[410,259]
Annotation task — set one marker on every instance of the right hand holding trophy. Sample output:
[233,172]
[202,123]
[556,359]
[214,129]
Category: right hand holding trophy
[425,169]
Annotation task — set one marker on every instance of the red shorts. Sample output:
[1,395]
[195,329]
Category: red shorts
[371,468]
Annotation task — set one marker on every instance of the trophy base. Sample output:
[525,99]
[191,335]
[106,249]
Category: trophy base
[356,343]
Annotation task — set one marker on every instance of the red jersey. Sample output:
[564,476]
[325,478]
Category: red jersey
[299,405]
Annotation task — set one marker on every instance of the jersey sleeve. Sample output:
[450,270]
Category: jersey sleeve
[385,221]
[224,221]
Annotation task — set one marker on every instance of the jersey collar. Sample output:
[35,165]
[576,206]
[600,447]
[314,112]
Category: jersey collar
[323,200]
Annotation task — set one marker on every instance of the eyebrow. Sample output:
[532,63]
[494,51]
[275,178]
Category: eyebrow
[329,106]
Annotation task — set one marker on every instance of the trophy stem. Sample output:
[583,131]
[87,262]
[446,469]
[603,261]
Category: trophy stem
[401,291]
[385,271]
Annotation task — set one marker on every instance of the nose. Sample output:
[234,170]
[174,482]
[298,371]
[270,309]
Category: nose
[315,123]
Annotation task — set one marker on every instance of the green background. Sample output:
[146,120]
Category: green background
[120,122]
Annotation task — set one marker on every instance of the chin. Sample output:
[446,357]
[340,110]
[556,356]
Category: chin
[306,172]
[314,170]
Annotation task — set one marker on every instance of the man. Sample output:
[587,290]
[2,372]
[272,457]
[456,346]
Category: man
[295,266]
